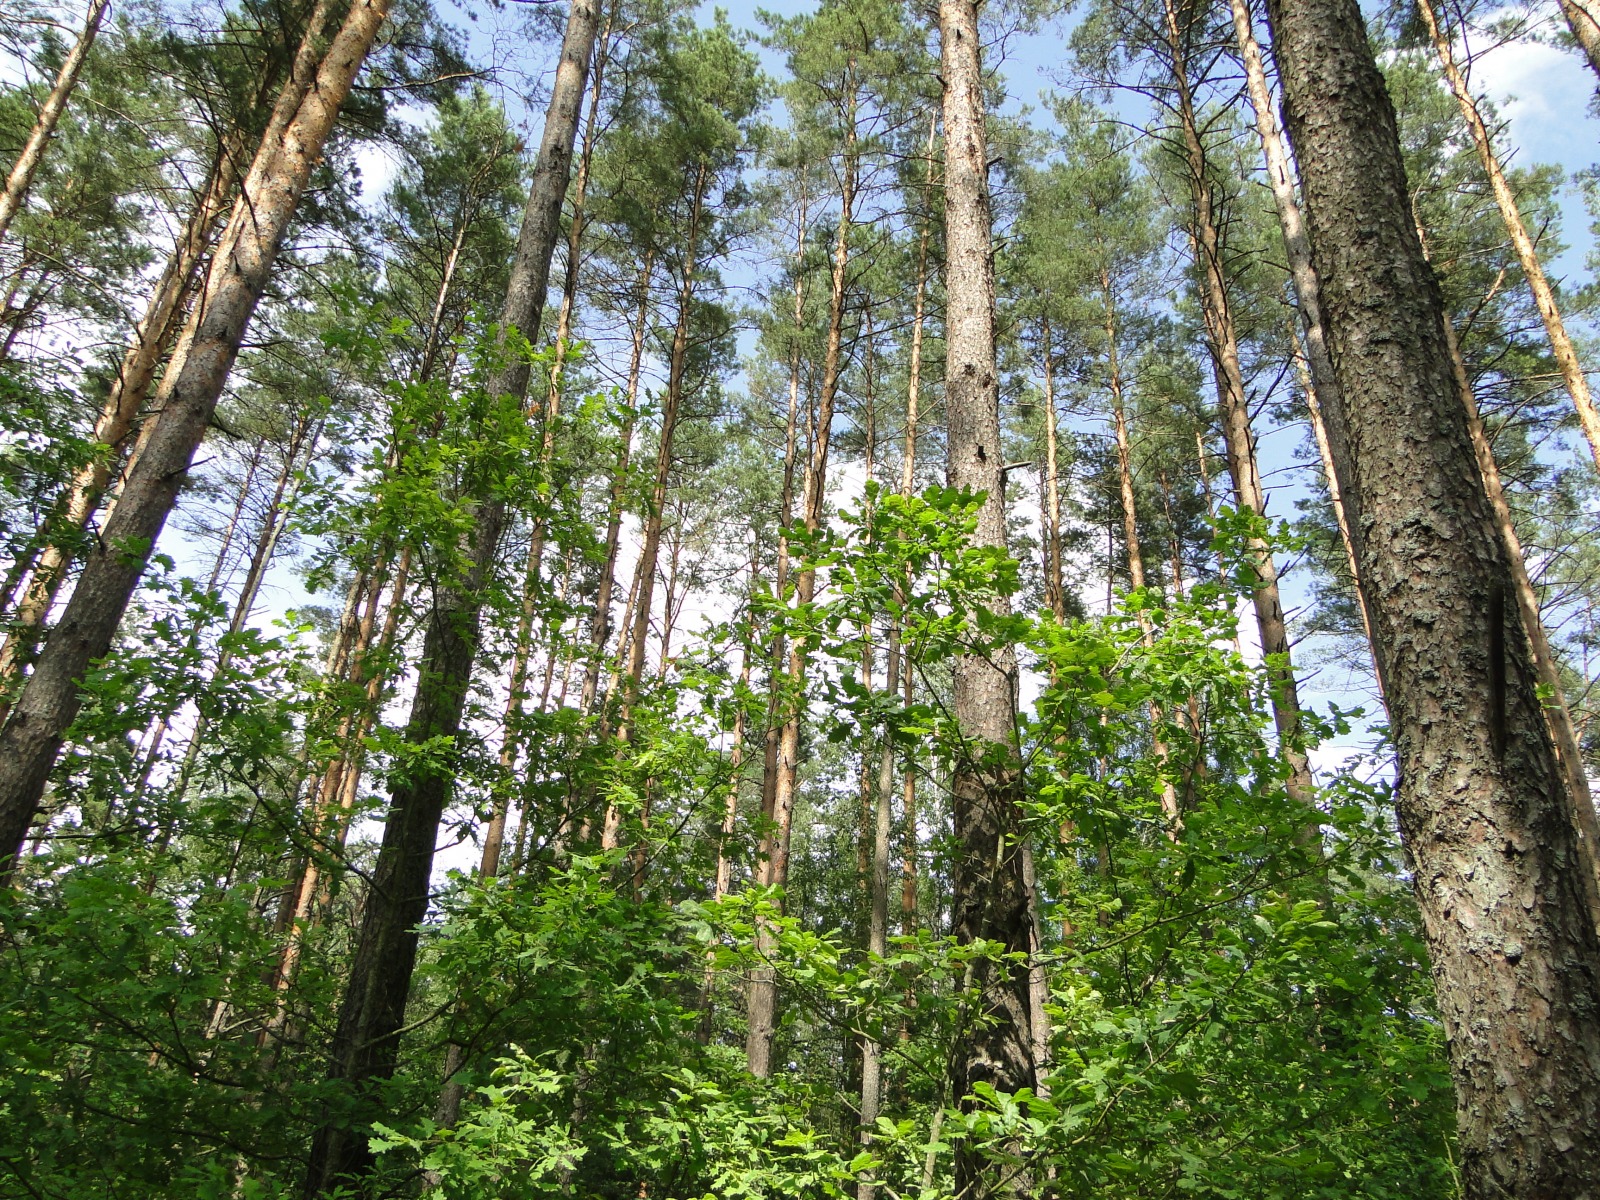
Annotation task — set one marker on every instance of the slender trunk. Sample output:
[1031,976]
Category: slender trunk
[239,273]
[878,918]
[908,475]
[644,576]
[1237,435]
[762,1000]
[1130,535]
[1054,589]
[650,550]
[372,1015]
[600,621]
[779,649]
[989,898]
[279,509]
[1483,799]
[27,164]
[1319,434]
[1544,297]
[575,227]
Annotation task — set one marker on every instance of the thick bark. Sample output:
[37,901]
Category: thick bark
[1483,802]
[239,272]
[372,1015]
[1585,825]
[1544,296]
[1235,408]
[989,889]
[27,164]
[762,1001]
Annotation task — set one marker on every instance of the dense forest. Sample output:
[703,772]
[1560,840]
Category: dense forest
[608,599]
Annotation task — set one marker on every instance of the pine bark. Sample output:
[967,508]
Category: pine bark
[1482,800]
[23,170]
[372,1014]
[600,619]
[239,273]
[990,898]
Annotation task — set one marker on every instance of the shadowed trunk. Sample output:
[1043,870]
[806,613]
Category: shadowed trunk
[372,1014]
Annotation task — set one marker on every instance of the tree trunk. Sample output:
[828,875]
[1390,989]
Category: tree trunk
[27,164]
[119,414]
[1583,19]
[762,1001]
[677,364]
[1318,380]
[1483,800]
[1130,535]
[791,436]
[988,882]
[1236,431]
[600,621]
[1558,720]
[372,1015]
[1544,297]
[239,272]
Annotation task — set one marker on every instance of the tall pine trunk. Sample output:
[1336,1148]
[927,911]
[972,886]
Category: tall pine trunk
[1234,402]
[239,273]
[1483,802]
[366,1040]
[1544,297]
[762,1000]
[23,170]
[989,897]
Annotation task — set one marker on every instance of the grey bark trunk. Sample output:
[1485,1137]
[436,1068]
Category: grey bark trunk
[1482,800]
[989,898]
